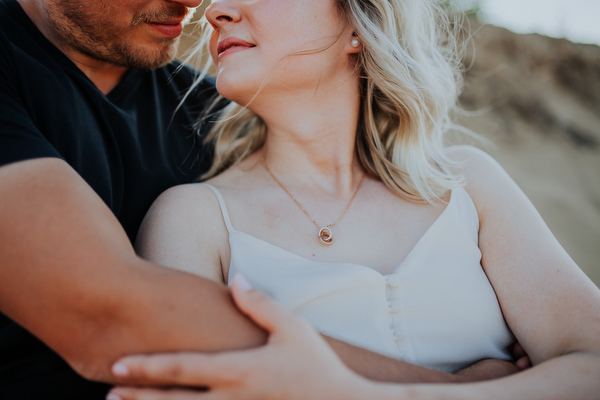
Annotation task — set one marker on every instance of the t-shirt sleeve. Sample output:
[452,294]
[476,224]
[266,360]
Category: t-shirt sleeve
[20,138]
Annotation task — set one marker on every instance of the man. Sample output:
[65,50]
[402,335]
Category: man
[89,137]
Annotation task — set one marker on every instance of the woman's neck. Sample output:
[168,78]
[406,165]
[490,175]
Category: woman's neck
[311,137]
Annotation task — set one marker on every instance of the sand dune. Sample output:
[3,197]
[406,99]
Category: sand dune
[538,100]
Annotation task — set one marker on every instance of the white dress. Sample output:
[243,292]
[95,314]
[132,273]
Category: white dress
[437,309]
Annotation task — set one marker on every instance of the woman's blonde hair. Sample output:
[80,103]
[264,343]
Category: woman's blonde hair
[410,72]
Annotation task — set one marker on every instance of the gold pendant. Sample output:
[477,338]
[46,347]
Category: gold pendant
[326,236]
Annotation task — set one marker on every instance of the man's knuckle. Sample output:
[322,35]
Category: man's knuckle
[174,370]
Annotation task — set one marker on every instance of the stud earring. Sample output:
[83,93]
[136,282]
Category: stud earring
[355,43]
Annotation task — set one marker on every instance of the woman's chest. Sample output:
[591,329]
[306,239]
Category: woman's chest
[377,231]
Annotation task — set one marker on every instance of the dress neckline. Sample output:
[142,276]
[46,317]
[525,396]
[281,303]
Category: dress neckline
[231,229]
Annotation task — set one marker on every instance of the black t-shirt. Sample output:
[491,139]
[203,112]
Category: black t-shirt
[129,146]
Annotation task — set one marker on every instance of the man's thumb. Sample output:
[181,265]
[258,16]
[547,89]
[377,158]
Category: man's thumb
[258,307]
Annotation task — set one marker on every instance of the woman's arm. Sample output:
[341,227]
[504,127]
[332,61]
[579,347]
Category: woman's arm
[550,305]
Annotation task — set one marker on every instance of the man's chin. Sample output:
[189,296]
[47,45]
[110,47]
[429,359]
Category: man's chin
[146,59]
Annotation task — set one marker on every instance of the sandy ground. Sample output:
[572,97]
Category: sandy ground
[538,100]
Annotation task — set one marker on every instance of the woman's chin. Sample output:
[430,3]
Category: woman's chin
[235,92]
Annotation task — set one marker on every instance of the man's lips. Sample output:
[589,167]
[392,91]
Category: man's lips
[170,28]
[231,45]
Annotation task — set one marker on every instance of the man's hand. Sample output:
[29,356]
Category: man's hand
[296,363]
[518,352]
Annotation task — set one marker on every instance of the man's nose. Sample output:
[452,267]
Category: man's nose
[189,3]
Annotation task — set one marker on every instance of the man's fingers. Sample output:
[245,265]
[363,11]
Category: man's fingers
[181,369]
[131,393]
[523,363]
[262,310]
[519,354]
[518,351]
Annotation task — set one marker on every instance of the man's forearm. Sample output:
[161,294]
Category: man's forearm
[384,369]
[380,368]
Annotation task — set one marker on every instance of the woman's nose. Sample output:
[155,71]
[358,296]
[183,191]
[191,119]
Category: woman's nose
[221,12]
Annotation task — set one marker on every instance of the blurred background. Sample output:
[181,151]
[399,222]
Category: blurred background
[532,88]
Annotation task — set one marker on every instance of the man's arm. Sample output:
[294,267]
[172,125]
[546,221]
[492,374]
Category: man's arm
[70,276]
[380,368]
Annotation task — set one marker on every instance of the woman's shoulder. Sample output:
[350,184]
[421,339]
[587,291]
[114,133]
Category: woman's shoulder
[185,198]
[184,230]
[191,209]
[474,164]
[202,202]
[485,180]
[467,157]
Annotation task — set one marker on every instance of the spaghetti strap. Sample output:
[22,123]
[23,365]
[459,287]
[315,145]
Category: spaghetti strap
[230,227]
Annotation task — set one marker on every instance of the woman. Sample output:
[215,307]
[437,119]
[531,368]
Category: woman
[332,192]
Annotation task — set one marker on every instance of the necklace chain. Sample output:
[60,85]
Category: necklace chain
[325,233]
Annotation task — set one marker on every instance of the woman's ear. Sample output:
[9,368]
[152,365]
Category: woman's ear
[354,45]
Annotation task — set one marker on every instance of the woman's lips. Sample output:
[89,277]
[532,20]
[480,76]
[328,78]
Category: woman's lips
[232,45]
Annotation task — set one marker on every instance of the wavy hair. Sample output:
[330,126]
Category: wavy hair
[410,77]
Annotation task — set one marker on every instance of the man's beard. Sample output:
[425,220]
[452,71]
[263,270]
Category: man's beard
[91,30]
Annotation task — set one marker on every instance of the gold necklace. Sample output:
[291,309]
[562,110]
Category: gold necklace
[325,233]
